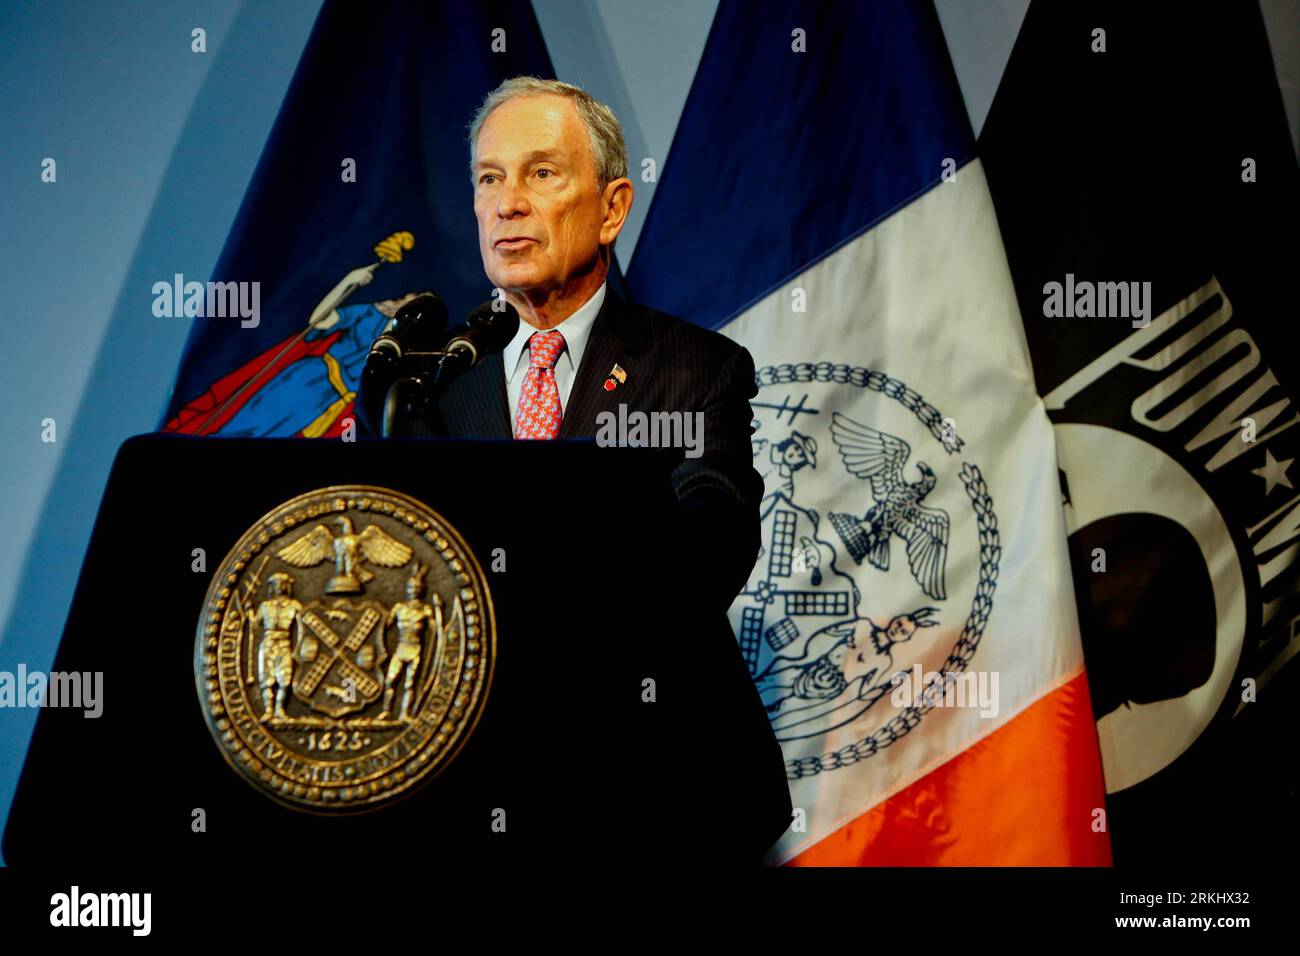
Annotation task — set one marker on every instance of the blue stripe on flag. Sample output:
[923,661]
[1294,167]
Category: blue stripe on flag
[781,157]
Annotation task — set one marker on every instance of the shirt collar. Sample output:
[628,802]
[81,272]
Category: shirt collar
[576,329]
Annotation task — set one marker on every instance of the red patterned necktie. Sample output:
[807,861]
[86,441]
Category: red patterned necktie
[539,400]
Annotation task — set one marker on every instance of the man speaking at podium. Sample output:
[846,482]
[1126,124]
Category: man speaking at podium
[551,194]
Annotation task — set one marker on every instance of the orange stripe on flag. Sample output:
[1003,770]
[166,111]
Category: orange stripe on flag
[1024,795]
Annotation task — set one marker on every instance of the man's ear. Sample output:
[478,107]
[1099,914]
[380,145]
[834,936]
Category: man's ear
[617,200]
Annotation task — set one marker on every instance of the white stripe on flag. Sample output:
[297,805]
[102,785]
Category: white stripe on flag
[916,323]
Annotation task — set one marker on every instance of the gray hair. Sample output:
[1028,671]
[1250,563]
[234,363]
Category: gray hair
[607,147]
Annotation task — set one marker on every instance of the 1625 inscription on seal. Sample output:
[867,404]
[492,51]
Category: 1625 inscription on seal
[345,649]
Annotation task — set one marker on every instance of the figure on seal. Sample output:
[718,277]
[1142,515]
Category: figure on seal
[277,615]
[412,616]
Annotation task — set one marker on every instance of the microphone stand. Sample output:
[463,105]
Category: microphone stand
[410,397]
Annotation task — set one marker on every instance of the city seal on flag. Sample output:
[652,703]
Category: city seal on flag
[852,588]
[345,649]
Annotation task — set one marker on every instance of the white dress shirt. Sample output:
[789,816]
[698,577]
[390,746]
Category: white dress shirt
[576,329]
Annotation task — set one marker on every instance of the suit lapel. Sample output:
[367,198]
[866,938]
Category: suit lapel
[475,405]
[616,337]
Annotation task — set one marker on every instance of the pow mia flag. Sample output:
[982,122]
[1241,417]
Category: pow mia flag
[1167,161]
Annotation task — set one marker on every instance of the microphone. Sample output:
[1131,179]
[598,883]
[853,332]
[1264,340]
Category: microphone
[485,332]
[415,328]
[403,369]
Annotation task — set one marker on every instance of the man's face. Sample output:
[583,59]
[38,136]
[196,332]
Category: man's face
[540,215]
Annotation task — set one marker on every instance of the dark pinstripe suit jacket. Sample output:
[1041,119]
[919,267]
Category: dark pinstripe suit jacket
[672,365]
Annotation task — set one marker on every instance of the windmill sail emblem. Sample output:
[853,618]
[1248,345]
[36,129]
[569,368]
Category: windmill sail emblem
[879,458]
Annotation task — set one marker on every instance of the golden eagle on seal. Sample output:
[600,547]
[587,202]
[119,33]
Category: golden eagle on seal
[347,550]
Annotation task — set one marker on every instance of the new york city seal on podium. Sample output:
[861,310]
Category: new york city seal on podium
[345,649]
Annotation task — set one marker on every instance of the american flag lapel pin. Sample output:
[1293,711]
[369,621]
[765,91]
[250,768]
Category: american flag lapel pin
[616,378]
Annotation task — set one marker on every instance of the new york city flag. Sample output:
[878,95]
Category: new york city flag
[910,622]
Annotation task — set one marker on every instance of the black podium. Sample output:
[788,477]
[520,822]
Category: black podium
[590,604]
